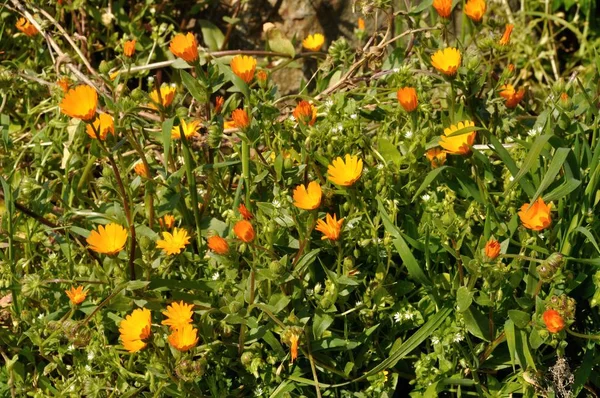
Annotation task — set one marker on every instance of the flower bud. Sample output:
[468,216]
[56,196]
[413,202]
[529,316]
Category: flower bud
[550,266]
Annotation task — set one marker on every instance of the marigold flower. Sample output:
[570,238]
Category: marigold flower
[511,96]
[102,125]
[361,24]
[135,328]
[219,101]
[189,129]
[184,47]
[184,338]
[76,295]
[228,124]
[244,67]
[446,61]
[80,102]
[173,243]
[141,170]
[443,7]
[407,97]
[564,97]
[492,249]
[63,83]
[314,42]
[308,197]
[244,212]
[536,216]
[178,315]
[218,245]
[458,144]
[511,68]
[554,321]
[244,231]
[436,156]
[294,347]
[129,48]
[330,228]
[26,27]
[505,40]
[167,93]
[475,9]
[261,76]
[240,118]
[108,240]
[167,221]
[345,173]
[305,113]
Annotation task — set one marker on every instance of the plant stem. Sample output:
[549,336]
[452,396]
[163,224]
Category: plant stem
[192,188]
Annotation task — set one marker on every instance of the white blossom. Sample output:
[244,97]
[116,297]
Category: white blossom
[215,276]
[458,337]
[354,116]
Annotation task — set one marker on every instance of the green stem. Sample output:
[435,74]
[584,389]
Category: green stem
[192,188]
[246,171]
[584,336]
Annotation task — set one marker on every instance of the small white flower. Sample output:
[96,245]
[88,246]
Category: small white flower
[258,392]
[511,178]
[90,355]
[458,337]
[318,286]
[408,315]
[426,197]
[435,340]
[309,292]
[329,103]
[68,367]
[358,303]
[71,348]
[277,203]
[173,85]
[396,70]
[292,118]
[408,134]
[379,166]
[354,116]
[88,368]
[397,317]
[215,276]
[40,316]
[72,388]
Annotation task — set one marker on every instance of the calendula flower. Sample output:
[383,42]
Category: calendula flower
[511,96]
[553,320]
[26,27]
[189,129]
[167,221]
[240,118]
[446,61]
[308,197]
[475,9]
[76,295]
[443,7]
[536,216]
[219,101]
[178,315]
[135,328]
[294,347]
[505,40]
[108,240]
[314,42]
[218,245]
[492,249]
[436,156]
[141,170]
[102,125]
[345,174]
[261,76]
[173,243]
[184,47]
[305,113]
[80,102]
[361,24]
[331,227]
[228,124]
[244,67]
[64,83]
[244,212]
[184,338]
[167,93]
[458,144]
[564,97]
[407,97]
[244,231]
[129,48]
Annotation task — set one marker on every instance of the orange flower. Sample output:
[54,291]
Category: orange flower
[294,347]
[184,338]
[240,118]
[511,68]
[506,36]
[64,84]
[244,212]
[331,227]
[407,97]
[141,170]
[511,96]
[102,125]
[475,9]
[492,249]
[244,66]
[314,42]
[129,48]
[458,144]
[554,322]
[305,113]
[436,156]
[361,24]
[219,101]
[24,26]
[80,102]
[261,76]
[536,216]
[244,231]
[167,93]
[178,315]
[135,328]
[309,197]
[108,240]
[218,245]
[443,7]
[76,295]
[345,173]
[446,61]
[167,221]
[184,47]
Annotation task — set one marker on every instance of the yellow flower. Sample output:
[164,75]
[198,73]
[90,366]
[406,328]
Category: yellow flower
[331,227]
[407,97]
[167,93]
[184,338]
[436,156]
[218,245]
[135,328]
[184,47]
[141,170]
[103,125]
[26,27]
[443,7]
[244,66]
[511,96]
[108,240]
[446,61]
[80,102]
[458,144]
[173,243]
[308,198]
[189,129]
[345,174]
[505,40]
[244,231]
[305,113]
[313,42]
[178,315]
[167,221]
[240,118]
[536,216]
[76,295]
[475,9]
[228,125]
[129,48]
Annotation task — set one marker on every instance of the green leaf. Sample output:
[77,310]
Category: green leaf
[509,163]
[167,126]
[589,236]
[279,43]
[135,285]
[557,161]
[562,191]
[213,38]
[476,323]
[530,159]
[321,322]
[194,87]
[428,180]
[306,260]
[521,319]
[464,299]
[421,7]
[241,85]
[509,332]
[582,374]
[389,152]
